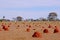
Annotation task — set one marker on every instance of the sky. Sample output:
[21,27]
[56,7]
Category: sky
[28,8]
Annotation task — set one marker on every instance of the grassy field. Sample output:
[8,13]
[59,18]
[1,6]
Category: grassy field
[46,30]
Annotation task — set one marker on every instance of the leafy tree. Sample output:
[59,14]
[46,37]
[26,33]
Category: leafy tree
[3,17]
[19,18]
[30,19]
[52,16]
[42,19]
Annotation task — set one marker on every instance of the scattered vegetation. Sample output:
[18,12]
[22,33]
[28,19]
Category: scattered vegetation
[51,17]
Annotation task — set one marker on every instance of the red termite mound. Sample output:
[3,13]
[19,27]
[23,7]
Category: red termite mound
[37,34]
[18,25]
[28,29]
[8,25]
[49,26]
[5,28]
[45,31]
[56,30]
[29,26]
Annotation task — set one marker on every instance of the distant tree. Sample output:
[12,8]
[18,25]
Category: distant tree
[19,18]
[4,20]
[42,19]
[57,19]
[36,20]
[52,16]
[0,20]
[14,19]
[30,19]
[3,17]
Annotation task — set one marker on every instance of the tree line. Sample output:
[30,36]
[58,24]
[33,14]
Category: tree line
[51,17]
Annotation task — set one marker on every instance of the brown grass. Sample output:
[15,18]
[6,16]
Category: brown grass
[25,30]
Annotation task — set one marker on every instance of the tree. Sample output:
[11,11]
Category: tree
[3,17]
[42,19]
[52,16]
[19,18]
[30,19]
[14,19]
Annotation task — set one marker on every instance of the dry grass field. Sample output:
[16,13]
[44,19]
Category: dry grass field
[37,30]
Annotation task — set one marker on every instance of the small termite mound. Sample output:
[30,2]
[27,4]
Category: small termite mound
[8,25]
[45,31]
[56,31]
[34,29]
[37,35]
[49,26]
[28,29]
[29,26]
[5,28]
[42,26]
[18,25]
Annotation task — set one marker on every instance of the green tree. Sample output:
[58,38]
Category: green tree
[52,16]
[19,18]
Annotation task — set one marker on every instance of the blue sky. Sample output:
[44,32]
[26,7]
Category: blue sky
[28,8]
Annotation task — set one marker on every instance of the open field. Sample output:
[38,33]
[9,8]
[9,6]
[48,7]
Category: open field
[45,30]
